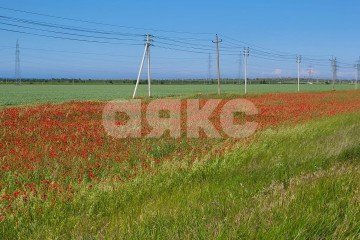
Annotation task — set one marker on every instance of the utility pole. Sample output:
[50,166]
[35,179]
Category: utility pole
[146,54]
[298,61]
[334,70]
[217,41]
[246,55]
[209,69]
[148,43]
[17,63]
[357,74]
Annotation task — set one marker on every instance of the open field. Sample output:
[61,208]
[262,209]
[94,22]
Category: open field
[172,120]
[297,177]
[11,95]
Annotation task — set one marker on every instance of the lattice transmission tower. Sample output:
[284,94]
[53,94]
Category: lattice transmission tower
[17,63]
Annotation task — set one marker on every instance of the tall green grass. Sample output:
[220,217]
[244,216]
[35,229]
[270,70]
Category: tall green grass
[298,182]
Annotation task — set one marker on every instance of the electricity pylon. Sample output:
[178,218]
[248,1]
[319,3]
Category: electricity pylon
[310,72]
[17,63]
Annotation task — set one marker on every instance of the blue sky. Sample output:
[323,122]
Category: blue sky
[314,29]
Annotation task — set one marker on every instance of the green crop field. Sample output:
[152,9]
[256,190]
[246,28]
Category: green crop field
[31,94]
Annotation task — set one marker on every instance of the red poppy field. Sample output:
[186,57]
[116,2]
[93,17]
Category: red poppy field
[48,150]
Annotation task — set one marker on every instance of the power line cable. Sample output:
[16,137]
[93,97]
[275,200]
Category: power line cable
[66,38]
[69,34]
[103,24]
[66,27]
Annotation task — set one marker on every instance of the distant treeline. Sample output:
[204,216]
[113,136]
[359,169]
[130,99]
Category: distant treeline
[167,81]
